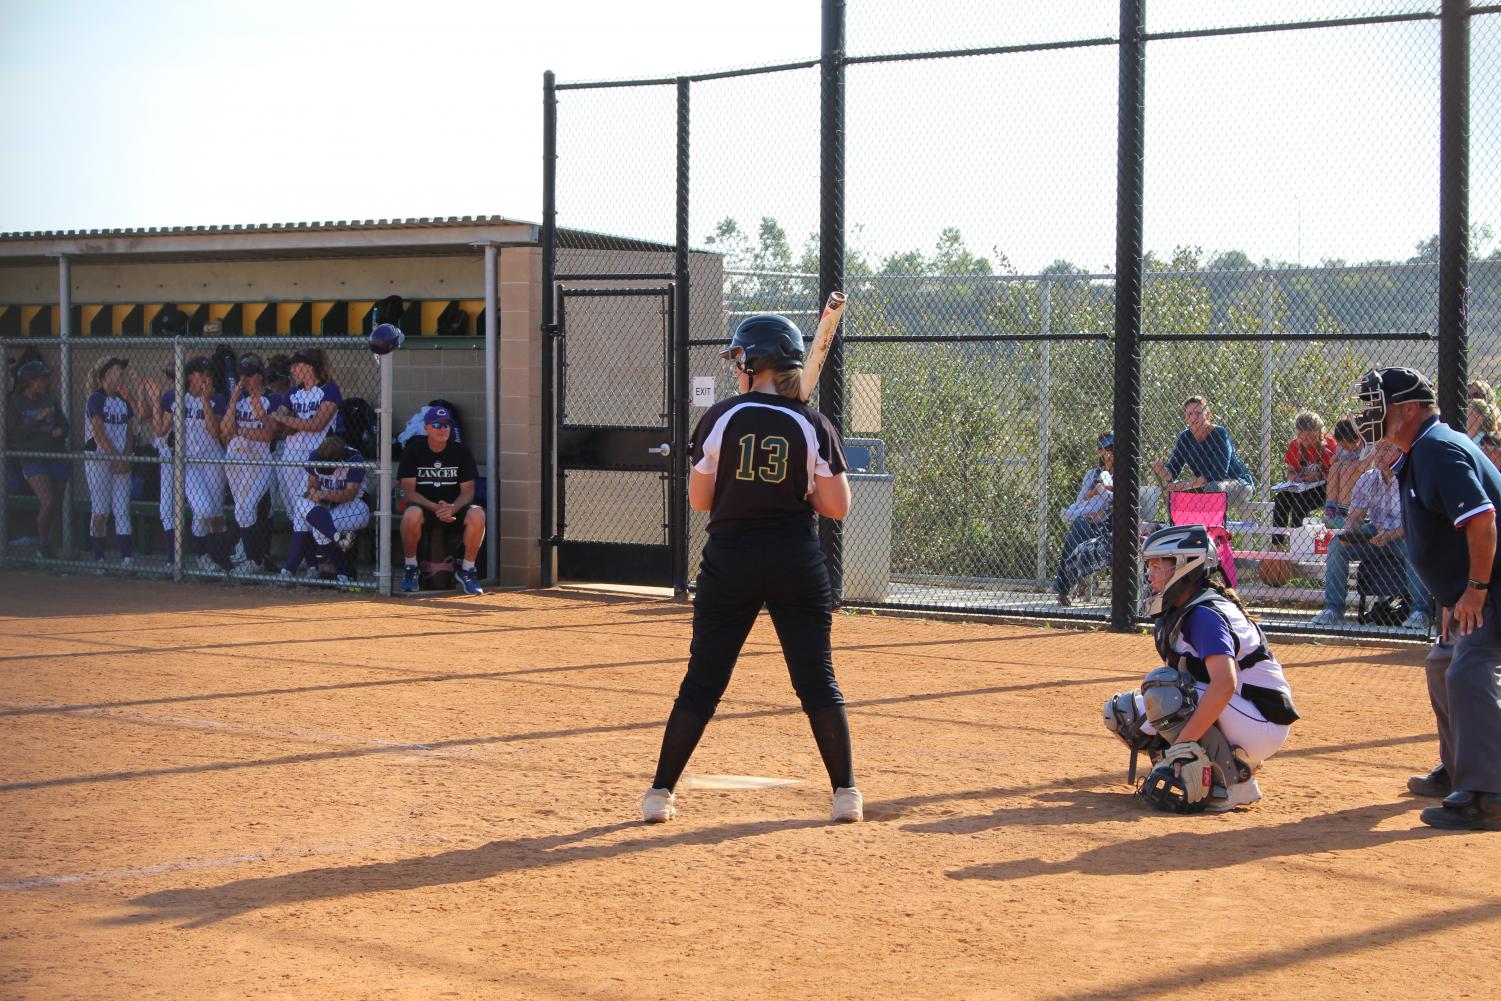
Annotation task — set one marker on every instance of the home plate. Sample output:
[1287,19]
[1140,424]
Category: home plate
[734,782]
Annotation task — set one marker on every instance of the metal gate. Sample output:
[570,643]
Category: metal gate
[617,462]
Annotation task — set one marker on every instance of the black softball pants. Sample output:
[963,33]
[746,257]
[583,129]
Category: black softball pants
[790,577]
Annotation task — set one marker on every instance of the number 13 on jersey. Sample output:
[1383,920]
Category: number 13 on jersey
[766,460]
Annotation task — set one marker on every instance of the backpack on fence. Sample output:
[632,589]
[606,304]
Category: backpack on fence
[361,427]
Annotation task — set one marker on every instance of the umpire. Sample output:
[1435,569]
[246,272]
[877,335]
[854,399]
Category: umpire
[1450,494]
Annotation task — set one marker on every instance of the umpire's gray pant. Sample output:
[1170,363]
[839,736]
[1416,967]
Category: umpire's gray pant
[1464,685]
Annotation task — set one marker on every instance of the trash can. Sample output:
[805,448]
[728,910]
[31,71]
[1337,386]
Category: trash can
[867,530]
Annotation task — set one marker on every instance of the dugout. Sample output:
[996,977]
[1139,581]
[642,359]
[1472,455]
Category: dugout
[67,293]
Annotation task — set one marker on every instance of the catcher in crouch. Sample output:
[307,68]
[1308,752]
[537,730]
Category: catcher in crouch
[1220,705]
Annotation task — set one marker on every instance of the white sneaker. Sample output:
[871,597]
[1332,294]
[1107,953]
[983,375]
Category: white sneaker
[1239,794]
[239,554]
[246,569]
[1418,621]
[658,806]
[125,563]
[849,805]
[207,565]
[285,576]
[1328,617]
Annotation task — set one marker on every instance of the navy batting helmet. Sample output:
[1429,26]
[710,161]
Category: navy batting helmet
[385,338]
[766,341]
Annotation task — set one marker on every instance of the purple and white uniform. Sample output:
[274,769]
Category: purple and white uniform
[349,516]
[249,483]
[202,484]
[109,492]
[298,446]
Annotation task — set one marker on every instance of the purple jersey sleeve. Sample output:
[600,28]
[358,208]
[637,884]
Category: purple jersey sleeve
[95,405]
[331,393]
[218,404]
[1208,633]
[169,397]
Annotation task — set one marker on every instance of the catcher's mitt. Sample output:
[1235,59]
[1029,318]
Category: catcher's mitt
[1163,790]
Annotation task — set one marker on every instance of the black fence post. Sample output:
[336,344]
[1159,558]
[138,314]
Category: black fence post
[1454,212]
[549,320]
[831,248]
[1128,270]
[677,511]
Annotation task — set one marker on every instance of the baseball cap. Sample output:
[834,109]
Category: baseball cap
[250,364]
[32,369]
[1107,440]
[202,363]
[438,415]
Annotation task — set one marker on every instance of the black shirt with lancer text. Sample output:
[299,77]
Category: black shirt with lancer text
[438,474]
[765,451]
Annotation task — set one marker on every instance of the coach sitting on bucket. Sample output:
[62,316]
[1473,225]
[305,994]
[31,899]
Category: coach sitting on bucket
[1450,493]
[437,478]
[1220,704]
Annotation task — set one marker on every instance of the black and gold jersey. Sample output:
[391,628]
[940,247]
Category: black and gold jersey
[765,450]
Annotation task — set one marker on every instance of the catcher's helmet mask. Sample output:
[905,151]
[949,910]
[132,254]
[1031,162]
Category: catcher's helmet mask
[1193,554]
[765,341]
[1381,389]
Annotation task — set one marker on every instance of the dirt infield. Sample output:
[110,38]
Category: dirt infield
[230,791]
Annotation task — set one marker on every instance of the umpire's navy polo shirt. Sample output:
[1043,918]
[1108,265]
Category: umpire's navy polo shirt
[1446,480]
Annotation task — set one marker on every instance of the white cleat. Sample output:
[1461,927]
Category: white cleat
[849,805]
[1239,794]
[658,806]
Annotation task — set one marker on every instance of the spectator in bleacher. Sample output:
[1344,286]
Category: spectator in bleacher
[34,422]
[334,507]
[1088,517]
[1483,425]
[108,416]
[437,479]
[1479,390]
[1352,457]
[1206,450]
[1309,456]
[1373,530]
[308,413]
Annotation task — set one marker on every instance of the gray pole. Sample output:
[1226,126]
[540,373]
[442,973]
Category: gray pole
[492,418]
[387,474]
[1268,347]
[1044,422]
[65,382]
[179,435]
[831,250]
[4,447]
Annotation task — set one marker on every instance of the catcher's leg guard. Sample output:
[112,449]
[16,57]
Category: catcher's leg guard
[1228,766]
[1170,699]
[1126,721]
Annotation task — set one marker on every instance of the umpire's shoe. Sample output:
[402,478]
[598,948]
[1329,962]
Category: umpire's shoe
[468,581]
[1463,810]
[1435,784]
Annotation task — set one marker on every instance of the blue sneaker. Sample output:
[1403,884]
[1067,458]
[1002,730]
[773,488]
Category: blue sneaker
[409,579]
[468,581]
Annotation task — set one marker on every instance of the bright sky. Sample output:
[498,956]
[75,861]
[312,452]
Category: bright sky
[1288,145]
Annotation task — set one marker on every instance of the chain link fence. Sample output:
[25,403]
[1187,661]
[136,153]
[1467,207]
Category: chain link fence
[981,173]
[192,457]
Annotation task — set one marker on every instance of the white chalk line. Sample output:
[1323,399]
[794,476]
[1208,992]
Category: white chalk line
[35,882]
[255,730]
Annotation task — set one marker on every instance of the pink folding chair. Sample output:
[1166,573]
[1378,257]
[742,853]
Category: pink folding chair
[1186,508]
